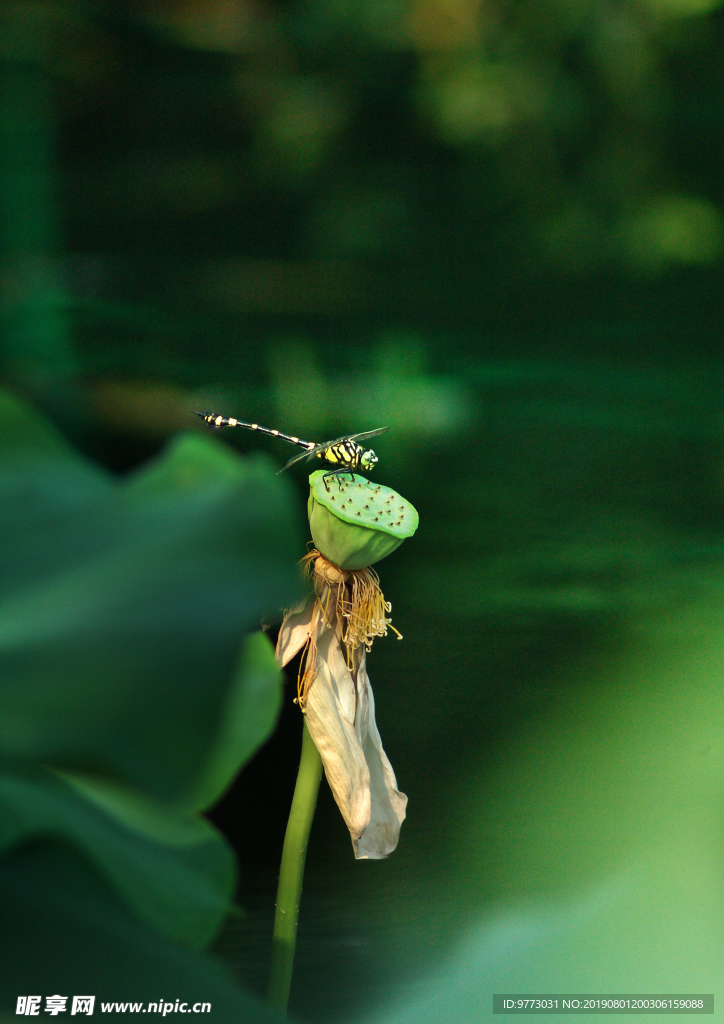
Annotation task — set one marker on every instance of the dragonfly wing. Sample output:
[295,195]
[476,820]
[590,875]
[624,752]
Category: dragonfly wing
[346,437]
[365,436]
[298,458]
[312,451]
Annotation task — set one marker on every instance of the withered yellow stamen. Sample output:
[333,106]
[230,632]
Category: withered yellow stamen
[359,606]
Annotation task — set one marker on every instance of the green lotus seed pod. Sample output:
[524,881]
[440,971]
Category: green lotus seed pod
[356,523]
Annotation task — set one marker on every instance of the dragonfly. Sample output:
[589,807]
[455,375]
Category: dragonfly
[345,453]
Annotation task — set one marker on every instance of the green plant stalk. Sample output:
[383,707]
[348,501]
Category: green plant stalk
[291,873]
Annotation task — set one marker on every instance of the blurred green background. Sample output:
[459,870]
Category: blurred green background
[497,228]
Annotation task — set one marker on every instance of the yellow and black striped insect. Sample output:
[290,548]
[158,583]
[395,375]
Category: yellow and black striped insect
[343,452]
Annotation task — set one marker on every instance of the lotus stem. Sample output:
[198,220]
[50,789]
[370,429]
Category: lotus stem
[291,873]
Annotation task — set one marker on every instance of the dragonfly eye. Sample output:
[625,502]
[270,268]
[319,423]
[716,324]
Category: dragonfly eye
[368,459]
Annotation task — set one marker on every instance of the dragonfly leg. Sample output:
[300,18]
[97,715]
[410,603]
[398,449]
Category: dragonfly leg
[337,473]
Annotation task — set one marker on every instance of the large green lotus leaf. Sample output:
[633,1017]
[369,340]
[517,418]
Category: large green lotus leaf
[594,839]
[63,931]
[175,872]
[122,605]
[654,926]
[249,716]
[43,484]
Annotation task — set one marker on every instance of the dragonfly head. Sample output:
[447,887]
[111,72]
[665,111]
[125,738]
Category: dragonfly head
[368,460]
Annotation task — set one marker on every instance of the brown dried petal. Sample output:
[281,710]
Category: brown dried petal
[295,630]
[341,721]
[331,706]
[388,804]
